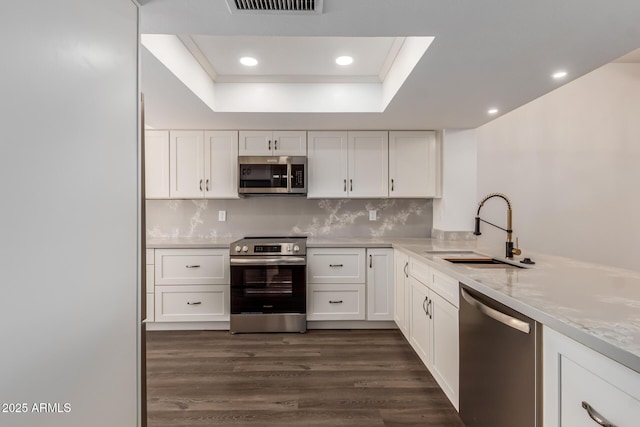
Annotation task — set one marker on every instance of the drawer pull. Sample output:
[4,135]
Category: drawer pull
[595,416]
[335,302]
[194,303]
[192,266]
[336,265]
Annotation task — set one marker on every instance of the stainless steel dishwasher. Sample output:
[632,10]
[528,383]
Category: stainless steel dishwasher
[499,363]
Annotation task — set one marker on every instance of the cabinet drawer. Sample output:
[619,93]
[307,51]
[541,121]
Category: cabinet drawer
[574,373]
[336,265]
[420,271]
[581,385]
[192,303]
[336,302]
[446,287]
[191,266]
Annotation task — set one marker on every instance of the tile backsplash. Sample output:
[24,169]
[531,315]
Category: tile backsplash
[270,216]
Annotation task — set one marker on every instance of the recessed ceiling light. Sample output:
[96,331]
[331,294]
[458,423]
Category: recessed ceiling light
[492,111]
[559,74]
[344,60]
[248,61]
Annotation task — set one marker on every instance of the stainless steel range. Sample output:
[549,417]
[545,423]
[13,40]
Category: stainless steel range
[268,284]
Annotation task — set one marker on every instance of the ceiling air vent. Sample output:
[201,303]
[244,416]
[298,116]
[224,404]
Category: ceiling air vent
[297,7]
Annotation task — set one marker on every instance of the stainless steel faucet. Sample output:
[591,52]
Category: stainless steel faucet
[510,249]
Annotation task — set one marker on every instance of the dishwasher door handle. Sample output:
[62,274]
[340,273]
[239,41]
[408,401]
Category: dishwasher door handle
[505,319]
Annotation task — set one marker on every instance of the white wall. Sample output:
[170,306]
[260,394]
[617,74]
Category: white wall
[455,211]
[68,222]
[570,162]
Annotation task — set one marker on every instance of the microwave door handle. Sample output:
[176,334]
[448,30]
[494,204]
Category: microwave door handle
[289,175]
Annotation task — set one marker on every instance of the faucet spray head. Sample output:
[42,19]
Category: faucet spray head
[477,229]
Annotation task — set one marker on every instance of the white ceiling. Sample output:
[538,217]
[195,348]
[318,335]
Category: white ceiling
[492,53]
[309,59]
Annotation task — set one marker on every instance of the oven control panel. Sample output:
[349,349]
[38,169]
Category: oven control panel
[285,246]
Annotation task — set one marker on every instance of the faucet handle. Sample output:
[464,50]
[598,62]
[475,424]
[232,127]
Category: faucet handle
[516,250]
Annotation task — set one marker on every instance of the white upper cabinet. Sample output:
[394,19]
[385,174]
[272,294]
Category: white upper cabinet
[348,164]
[327,164]
[414,164]
[156,159]
[368,164]
[203,164]
[221,164]
[186,164]
[273,143]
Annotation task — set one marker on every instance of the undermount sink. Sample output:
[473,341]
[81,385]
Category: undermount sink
[482,262]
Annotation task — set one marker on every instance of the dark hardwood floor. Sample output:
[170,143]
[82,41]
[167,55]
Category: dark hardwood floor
[321,378]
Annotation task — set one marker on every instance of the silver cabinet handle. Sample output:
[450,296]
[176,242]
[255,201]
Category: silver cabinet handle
[505,319]
[350,185]
[335,302]
[336,265]
[192,266]
[194,303]
[200,185]
[391,184]
[406,264]
[370,261]
[206,185]
[595,416]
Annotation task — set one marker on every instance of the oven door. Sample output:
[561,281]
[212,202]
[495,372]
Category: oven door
[268,285]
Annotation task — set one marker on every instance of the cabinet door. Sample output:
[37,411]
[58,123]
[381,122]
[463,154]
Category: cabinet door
[401,293]
[327,164]
[379,284]
[255,143]
[221,164]
[187,164]
[414,164]
[156,164]
[420,327]
[289,143]
[368,159]
[445,349]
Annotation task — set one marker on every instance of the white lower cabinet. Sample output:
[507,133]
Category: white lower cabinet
[445,351]
[191,285]
[336,302]
[433,321]
[379,284]
[580,384]
[349,284]
[200,303]
[149,286]
[420,326]
[401,292]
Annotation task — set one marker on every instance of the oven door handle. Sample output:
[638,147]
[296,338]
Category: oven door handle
[269,261]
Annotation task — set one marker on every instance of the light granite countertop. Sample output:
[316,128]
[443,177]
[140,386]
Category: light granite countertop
[596,305]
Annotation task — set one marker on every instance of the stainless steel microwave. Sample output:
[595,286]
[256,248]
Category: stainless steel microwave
[272,175]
